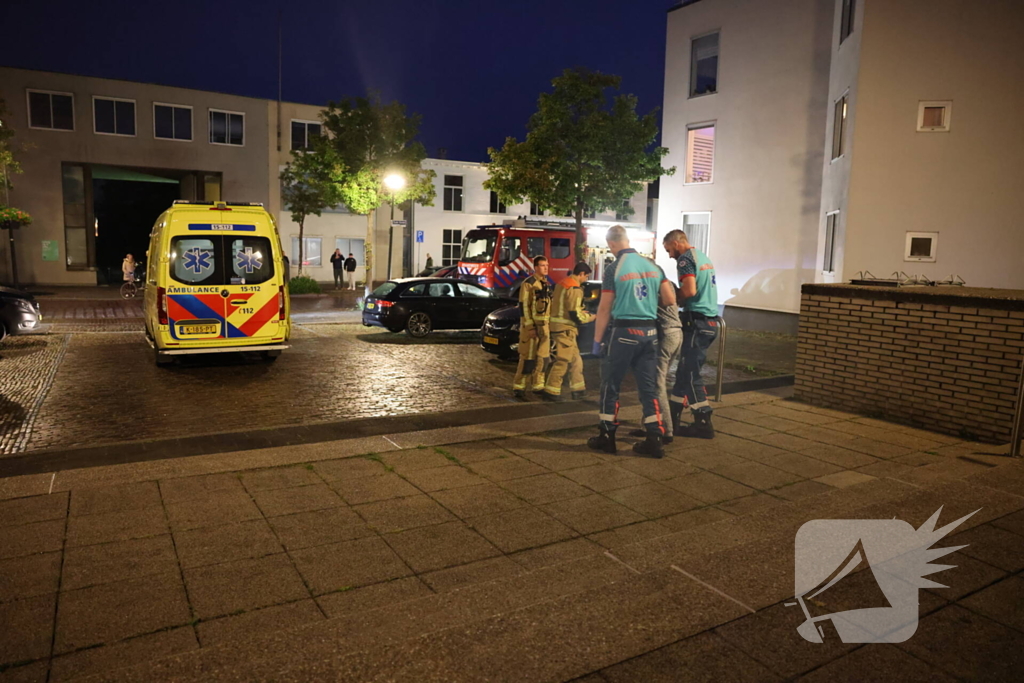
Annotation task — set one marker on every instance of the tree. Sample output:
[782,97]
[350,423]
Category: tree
[582,153]
[8,164]
[368,140]
[310,183]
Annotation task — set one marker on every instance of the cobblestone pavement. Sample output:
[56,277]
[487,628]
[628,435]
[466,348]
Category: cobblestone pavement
[106,388]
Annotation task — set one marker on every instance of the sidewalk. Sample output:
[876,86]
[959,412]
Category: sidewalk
[505,551]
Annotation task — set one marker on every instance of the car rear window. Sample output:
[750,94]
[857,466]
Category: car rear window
[384,290]
[416,290]
[221,260]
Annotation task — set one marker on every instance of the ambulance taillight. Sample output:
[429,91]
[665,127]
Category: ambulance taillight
[161,305]
[280,303]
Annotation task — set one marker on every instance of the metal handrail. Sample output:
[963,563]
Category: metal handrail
[1018,416]
[721,362]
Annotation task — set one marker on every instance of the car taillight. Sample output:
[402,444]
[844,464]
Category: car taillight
[280,303]
[161,305]
[385,304]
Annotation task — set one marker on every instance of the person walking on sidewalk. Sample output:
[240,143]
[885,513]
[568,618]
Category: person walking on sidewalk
[430,262]
[338,261]
[567,314]
[631,291]
[534,338]
[670,341]
[350,270]
[698,297]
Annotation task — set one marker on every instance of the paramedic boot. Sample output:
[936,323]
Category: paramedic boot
[605,441]
[700,429]
[650,447]
[676,412]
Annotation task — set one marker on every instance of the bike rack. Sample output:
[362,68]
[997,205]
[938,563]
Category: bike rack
[721,362]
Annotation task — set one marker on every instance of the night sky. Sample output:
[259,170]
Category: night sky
[472,68]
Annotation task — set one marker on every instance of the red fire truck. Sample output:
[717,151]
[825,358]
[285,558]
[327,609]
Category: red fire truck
[501,256]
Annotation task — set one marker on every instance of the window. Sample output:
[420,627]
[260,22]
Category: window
[704,65]
[441,289]
[350,246]
[934,117]
[76,233]
[511,249]
[172,122]
[416,290]
[303,134]
[625,212]
[839,128]
[921,246]
[700,154]
[221,260]
[311,254]
[697,226]
[846,27]
[496,205]
[534,246]
[453,193]
[227,127]
[536,210]
[113,116]
[828,264]
[560,247]
[52,110]
[451,245]
[473,290]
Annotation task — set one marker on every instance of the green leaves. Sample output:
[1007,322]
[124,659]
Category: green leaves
[583,150]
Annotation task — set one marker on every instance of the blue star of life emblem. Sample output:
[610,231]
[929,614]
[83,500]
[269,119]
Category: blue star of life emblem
[248,261]
[197,260]
[640,291]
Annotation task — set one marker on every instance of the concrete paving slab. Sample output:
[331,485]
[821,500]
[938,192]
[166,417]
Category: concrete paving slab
[787,442]
[707,487]
[373,488]
[28,631]
[966,575]
[416,459]
[630,534]
[25,485]
[1013,522]
[349,564]
[592,513]
[374,596]
[1002,602]
[29,576]
[709,459]
[181,489]
[320,527]
[348,468]
[289,501]
[440,546]
[454,578]
[876,664]
[115,611]
[400,514]
[822,434]
[994,546]
[216,508]
[116,655]
[505,469]
[694,518]
[478,451]
[968,645]
[442,478]
[226,543]
[654,499]
[877,449]
[258,622]
[93,565]
[35,509]
[29,539]
[839,456]
[520,529]
[742,429]
[748,504]
[558,460]
[545,488]
[1008,478]
[35,672]
[484,499]
[758,476]
[607,477]
[279,478]
[705,657]
[800,490]
[556,554]
[656,470]
[802,465]
[521,445]
[116,526]
[844,479]
[222,589]
[91,501]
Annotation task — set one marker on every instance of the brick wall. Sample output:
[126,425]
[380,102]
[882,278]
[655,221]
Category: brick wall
[945,362]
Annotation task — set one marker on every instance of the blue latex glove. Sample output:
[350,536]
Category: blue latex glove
[598,349]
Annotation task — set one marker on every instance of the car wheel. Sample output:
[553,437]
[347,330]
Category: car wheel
[418,325]
[269,356]
[162,361]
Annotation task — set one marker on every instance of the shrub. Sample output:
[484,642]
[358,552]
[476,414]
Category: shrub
[303,285]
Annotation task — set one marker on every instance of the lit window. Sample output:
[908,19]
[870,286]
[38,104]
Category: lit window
[697,227]
[227,127]
[704,65]
[311,254]
[451,245]
[700,154]
[453,193]
[831,225]
[934,117]
[52,110]
[839,128]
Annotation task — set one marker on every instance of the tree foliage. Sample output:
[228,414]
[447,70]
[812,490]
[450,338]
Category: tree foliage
[367,140]
[8,164]
[583,151]
[310,183]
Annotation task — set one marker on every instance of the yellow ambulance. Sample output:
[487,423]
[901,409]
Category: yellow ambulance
[215,282]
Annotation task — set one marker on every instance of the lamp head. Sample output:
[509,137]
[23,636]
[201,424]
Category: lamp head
[394,182]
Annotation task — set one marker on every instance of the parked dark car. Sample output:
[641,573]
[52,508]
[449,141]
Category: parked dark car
[19,312]
[419,305]
[500,332]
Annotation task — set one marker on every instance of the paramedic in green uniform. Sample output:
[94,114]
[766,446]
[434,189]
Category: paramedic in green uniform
[698,297]
[626,336]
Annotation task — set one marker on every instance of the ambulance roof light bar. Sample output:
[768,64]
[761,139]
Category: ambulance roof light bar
[178,202]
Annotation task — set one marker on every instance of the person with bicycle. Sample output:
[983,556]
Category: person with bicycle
[128,267]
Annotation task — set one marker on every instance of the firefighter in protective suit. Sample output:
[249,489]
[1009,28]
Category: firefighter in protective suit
[567,314]
[534,338]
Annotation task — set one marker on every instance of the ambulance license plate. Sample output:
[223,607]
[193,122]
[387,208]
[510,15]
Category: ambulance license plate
[205,329]
[491,340]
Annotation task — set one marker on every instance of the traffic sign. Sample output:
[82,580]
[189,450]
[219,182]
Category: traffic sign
[419,235]
[397,224]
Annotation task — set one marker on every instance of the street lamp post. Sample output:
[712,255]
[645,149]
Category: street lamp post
[394,183]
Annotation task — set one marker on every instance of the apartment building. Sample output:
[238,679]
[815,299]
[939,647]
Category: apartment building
[820,139]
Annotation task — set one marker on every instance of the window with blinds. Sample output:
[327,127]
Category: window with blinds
[697,226]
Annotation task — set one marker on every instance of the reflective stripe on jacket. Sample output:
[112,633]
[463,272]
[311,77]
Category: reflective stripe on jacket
[567,311]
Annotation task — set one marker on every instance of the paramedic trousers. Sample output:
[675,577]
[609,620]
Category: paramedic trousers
[567,359]
[631,348]
[670,342]
[698,334]
[534,351]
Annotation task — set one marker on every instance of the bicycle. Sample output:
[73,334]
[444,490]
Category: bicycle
[130,289]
